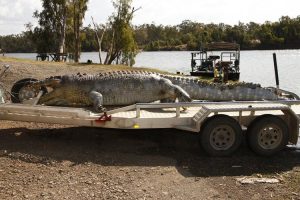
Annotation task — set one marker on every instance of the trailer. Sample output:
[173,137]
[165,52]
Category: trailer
[268,126]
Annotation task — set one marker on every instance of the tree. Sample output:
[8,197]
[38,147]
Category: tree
[51,33]
[79,7]
[123,47]
[60,23]
[20,43]
[99,39]
[120,37]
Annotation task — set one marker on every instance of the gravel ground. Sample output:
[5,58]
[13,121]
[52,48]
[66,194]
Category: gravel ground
[44,161]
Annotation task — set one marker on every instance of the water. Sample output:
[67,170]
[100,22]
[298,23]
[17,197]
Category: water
[255,66]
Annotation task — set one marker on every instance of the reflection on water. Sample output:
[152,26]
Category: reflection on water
[256,66]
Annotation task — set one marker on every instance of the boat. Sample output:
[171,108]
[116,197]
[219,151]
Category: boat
[217,56]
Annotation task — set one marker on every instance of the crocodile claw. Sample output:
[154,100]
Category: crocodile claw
[100,109]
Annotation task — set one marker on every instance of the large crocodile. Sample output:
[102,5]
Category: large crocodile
[118,88]
[129,87]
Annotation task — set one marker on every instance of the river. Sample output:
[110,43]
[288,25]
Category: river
[255,66]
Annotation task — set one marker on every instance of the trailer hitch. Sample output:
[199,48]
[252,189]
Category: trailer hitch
[103,118]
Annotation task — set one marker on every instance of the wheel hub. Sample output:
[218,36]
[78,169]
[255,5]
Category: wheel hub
[222,137]
[270,137]
[27,93]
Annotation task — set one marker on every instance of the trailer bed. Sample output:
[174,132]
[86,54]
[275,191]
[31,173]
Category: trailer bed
[150,115]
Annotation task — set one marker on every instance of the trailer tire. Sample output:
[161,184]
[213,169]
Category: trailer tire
[267,135]
[221,135]
[19,85]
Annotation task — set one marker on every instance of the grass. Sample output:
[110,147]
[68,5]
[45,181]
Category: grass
[79,65]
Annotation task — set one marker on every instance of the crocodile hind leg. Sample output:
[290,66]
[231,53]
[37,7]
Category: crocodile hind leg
[181,94]
[174,92]
[97,100]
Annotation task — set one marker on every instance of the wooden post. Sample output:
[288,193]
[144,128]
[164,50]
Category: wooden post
[276,70]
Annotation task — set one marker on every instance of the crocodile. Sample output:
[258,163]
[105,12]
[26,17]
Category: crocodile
[108,89]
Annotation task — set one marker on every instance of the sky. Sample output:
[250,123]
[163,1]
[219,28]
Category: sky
[15,13]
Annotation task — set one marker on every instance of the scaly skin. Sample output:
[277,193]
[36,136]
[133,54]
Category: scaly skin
[239,91]
[204,90]
[109,89]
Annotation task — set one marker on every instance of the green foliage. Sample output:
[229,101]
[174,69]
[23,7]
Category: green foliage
[77,9]
[120,34]
[49,36]
[59,26]
[89,42]
[123,40]
[284,34]
[16,43]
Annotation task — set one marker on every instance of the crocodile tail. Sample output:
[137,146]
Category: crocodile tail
[284,94]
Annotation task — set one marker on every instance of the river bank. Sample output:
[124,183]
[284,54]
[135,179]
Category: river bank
[44,161]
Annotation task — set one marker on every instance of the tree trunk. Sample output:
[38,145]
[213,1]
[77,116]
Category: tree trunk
[99,40]
[63,31]
[110,51]
[100,43]
[112,57]
[76,31]
[74,27]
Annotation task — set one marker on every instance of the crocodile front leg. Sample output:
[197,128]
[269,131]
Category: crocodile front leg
[58,102]
[97,100]
[54,98]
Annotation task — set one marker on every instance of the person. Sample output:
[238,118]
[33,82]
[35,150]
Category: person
[193,63]
[225,73]
[217,73]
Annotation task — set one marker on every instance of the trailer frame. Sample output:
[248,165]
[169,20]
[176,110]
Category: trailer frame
[184,116]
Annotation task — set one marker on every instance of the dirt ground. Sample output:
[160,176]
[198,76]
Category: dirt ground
[44,161]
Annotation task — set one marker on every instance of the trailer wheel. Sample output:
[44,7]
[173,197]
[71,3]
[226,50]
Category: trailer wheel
[20,90]
[268,135]
[221,135]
